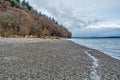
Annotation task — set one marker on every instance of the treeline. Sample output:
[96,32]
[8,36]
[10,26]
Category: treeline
[19,18]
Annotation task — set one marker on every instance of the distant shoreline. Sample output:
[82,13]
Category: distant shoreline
[95,37]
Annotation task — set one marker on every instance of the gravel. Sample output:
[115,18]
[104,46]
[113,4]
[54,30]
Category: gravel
[47,59]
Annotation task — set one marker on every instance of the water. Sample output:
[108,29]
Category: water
[110,46]
[94,75]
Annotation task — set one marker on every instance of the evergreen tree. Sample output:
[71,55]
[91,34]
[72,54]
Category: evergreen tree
[18,1]
[13,4]
[28,6]
[24,2]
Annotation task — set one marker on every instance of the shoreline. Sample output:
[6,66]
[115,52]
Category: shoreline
[109,67]
[54,59]
[98,49]
[94,74]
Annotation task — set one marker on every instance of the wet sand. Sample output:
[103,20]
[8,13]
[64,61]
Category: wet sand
[38,59]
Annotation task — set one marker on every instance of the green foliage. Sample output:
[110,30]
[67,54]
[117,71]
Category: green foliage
[24,2]
[13,4]
[18,1]
[29,7]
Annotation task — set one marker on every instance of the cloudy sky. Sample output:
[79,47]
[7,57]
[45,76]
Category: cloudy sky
[84,18]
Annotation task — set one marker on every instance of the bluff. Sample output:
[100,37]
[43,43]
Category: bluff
[19,18]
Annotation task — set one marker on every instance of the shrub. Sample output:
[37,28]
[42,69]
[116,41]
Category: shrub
[13,4]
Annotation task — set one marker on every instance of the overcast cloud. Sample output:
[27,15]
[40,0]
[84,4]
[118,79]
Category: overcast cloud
[84,18]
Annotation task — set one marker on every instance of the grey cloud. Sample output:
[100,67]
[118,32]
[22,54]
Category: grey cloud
[99,32]
[78,14]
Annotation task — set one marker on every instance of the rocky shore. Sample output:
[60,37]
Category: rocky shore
[38,59]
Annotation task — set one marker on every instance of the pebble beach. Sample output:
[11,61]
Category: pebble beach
[53,59]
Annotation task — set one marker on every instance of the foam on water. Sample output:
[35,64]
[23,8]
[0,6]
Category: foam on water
[94,75]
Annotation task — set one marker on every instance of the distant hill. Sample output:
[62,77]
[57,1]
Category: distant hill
[20,19]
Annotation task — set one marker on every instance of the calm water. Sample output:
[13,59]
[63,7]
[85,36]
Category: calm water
[110,46]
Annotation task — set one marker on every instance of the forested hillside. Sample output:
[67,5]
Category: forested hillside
[20,19]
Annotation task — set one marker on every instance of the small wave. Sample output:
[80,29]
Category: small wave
[110,47]
[94,75]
